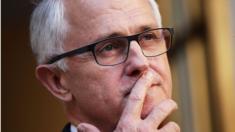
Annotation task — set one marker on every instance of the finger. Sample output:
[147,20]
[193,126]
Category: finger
[85,127]
[136,98]
[160,112]
[170,127]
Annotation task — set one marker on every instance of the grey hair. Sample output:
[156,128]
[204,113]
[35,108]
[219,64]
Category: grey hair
[48,29]
[156,12]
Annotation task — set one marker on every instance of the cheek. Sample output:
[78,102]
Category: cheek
[161,66]
[92,88]
[99,83]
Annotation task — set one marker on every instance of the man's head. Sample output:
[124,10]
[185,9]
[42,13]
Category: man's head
[92,92]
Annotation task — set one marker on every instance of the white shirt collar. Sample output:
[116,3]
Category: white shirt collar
[73,128]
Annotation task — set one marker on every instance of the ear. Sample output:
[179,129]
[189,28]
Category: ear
[52,80]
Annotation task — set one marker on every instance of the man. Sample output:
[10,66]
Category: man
[105,60]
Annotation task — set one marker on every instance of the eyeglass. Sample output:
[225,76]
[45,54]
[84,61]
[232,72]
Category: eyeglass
[114,50]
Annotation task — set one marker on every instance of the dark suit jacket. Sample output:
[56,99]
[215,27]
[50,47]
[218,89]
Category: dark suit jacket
[66,128]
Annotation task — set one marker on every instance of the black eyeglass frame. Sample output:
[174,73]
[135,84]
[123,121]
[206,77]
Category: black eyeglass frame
[91,47]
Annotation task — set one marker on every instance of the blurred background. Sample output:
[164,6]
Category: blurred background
[202,63]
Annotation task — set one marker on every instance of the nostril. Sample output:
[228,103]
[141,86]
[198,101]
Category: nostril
[135,73]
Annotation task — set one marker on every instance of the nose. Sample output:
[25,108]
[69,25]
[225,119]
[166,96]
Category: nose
[136,63]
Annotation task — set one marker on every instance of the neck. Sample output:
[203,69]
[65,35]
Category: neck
[76,116]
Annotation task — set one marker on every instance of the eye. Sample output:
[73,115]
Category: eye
[108,47]
[149,36]
[112,47]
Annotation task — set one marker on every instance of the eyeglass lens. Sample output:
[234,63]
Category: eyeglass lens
[115,51]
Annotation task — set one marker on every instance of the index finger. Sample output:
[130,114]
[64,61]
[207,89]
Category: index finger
[136,98]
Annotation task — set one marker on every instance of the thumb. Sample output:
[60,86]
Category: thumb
[85,127]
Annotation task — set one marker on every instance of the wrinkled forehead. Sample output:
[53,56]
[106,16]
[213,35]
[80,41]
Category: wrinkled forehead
[104,16]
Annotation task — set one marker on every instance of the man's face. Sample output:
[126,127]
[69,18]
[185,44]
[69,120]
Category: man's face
[100,92]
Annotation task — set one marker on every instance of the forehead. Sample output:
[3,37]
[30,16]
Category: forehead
[91,19]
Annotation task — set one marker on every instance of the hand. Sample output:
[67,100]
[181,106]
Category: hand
[85,127]
[131,121]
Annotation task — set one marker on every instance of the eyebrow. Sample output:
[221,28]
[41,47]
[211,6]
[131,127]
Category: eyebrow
[118,34]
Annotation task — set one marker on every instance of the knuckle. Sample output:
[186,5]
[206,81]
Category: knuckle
[144,128]
[174,126]
[85,127]
[162,110]
[159,113]
[126,125]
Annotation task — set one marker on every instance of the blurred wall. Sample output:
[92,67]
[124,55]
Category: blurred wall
[26,105]
[202,62]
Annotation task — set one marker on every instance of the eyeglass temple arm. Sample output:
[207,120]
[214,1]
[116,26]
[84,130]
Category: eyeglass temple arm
[71,53]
